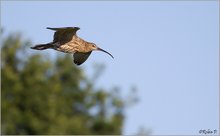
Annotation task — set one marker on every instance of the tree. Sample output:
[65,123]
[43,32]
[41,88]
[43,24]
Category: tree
[43,96]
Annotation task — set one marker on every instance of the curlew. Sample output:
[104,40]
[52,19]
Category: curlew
[66,40]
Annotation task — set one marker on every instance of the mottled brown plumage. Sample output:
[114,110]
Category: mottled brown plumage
[66,40]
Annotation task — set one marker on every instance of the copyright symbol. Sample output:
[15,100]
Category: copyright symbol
[202,131]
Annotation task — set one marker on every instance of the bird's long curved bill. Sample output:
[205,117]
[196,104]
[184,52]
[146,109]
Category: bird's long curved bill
[105,52]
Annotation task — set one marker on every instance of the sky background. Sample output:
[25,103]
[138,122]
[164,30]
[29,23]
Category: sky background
[169,50]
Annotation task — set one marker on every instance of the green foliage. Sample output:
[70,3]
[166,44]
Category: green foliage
[40,96]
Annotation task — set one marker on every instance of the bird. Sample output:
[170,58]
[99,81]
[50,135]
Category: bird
[65,40]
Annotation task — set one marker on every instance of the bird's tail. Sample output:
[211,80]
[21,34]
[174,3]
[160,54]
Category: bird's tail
[42,46]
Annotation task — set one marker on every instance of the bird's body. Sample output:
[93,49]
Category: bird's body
[67,41]
[75,45]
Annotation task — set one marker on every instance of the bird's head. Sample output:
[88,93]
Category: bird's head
[93,47]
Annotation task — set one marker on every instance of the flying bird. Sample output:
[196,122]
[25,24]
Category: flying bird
[66,40]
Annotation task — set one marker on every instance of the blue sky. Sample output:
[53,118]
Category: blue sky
[169,50]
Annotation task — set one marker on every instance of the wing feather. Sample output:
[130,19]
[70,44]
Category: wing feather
[79,57]
[64,34]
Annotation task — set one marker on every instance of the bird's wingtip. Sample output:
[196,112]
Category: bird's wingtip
[63,27]
[49,28]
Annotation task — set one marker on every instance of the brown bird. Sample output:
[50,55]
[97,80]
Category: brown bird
[66,40]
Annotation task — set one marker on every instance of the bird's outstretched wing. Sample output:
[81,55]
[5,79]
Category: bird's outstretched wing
[64,34]
[79,57]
